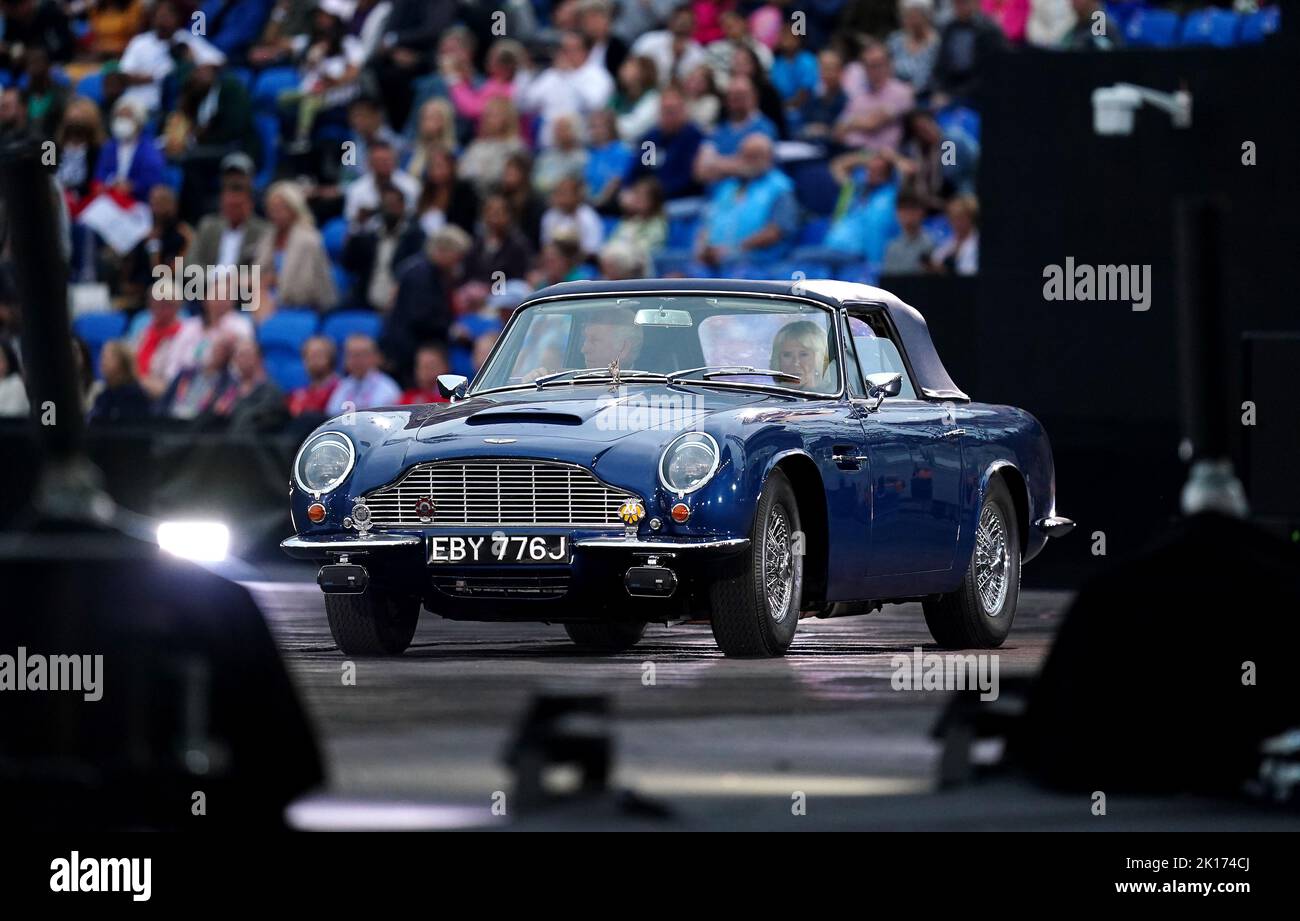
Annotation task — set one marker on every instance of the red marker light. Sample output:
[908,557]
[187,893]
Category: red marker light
[316,513]
[681,512]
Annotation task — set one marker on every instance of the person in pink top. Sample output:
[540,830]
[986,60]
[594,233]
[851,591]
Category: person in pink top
[1010,15]
[504,61]
[873,117]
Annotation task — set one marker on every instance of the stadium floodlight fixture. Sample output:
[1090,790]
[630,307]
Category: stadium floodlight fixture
[1113,107]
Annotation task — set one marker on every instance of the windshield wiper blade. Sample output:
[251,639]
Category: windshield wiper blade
[577,374]
[708,372]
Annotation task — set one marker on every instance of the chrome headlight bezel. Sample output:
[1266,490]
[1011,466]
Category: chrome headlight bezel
[313,443]
[694,438]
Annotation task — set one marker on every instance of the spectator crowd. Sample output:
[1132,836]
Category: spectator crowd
[393,177]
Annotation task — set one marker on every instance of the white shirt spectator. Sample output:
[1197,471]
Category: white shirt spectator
[584,223]
[363,195]
[147,55]
[125,157]
[658,46]
[375,389]
[555,92]
[965,255]
[232,238]
[13,397]
[1049,22]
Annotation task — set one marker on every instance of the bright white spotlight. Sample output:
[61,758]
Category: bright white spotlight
[205,541]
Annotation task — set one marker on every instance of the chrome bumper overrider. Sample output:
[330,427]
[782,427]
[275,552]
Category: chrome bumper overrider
[1055,526]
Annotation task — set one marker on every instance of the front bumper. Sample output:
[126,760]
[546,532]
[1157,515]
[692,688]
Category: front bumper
[321,546]
[610,577]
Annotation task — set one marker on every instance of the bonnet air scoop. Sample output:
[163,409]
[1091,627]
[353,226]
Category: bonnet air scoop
[522,417]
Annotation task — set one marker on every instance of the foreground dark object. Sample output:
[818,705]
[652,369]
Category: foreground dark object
[139,691]
[1172,710]
[194,697]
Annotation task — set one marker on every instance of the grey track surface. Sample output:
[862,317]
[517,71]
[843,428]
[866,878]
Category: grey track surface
[721,743]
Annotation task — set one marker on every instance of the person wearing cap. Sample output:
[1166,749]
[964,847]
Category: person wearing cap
[213,117]
[129,162]
[147,60]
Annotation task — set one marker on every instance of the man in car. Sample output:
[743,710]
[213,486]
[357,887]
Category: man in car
[608,336]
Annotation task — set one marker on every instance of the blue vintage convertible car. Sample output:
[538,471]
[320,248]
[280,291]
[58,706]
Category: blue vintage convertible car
[742,453]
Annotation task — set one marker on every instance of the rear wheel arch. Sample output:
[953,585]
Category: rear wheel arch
[1015,483]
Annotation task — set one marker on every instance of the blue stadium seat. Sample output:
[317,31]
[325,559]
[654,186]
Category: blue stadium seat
[681,232]
[814,186]
[334,233]
[859,272]
[92,87]
[1260,25]
[268,130]
[813,231]
[286,369]
[1211,26]
[962,118]
[938,228]
[673,261]
[476,325]
[287,329]
[461,361]
[344,282]
[1122,11]
[609,222]
[97,328]
[270,83]
[1152,29]
[173,176]
[343,323]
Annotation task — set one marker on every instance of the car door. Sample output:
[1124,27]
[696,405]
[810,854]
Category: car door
[914,448]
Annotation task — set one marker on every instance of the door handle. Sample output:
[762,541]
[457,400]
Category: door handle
[843,457]
[954,433]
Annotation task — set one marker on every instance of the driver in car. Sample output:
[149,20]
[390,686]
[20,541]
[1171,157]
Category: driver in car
[611,334]
[800,349]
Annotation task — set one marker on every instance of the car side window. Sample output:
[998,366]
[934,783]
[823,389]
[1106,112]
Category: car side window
[876,349]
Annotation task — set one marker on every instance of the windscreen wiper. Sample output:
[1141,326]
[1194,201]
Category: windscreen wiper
[577,374]
[708,372]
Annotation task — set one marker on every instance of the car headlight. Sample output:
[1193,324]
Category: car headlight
[324,462]
[688,462]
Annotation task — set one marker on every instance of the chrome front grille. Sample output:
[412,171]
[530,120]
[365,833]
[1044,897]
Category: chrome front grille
[497,492]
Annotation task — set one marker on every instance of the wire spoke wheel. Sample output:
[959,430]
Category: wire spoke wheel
[778,574]
[991,559]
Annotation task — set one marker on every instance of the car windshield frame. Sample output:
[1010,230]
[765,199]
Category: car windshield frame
[613,299]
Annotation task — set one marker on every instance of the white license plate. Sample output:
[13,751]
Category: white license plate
[461,549]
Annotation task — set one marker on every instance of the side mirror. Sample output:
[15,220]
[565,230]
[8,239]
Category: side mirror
[884,384]
[453,386]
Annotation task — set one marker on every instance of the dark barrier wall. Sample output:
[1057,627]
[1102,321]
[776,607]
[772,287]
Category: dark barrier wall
[1101,376]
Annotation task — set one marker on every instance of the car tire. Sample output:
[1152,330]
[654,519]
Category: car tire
[373,623]
[617,636]
[972,618]
[748,620]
